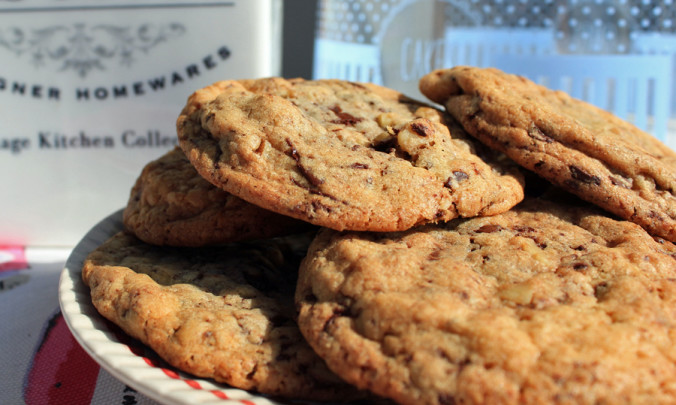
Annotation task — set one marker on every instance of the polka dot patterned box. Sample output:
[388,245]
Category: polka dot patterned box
[617,54]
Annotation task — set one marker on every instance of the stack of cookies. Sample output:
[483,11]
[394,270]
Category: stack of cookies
[337,241]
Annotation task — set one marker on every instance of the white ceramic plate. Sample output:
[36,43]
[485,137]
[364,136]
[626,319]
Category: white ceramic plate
[125,358]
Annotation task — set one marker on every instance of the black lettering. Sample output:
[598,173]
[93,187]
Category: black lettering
[82,94]
[152,139]
[156,139]
[47,140]
[176,78]
[138,88]
[209,62]
[127,137]
[86,142]
[101,93]
[224,52]
[53,93]
[192,70]
[19,144]
[35,90]
[43,142]
[18,88]
[14,145]
[119,91]
[157,83]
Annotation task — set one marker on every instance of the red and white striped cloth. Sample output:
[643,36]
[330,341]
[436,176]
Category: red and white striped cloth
[42,363]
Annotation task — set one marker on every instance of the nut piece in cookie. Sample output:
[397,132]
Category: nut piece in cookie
[223,312]
[340,154]
[546,303]
[171,204]
[583,149]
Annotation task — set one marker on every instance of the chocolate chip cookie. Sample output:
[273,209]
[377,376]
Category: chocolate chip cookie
[224,312]
[579,147]
[340,154]
[171,204]
[546,303]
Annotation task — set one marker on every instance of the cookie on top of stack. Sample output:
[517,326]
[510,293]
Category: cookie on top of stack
[436,268]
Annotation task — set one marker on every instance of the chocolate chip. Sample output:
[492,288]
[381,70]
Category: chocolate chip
[434,255]
[343,117]
[458,175]
[537,134]
[387,146]
[314,180]
[584,177]
[446,399]
[251,374]
[311,177]
[318,206]
[293,152]
[422,128]
[618,182]
[523,229]
[489,228]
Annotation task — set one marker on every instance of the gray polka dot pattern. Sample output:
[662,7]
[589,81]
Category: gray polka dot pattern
[579,26]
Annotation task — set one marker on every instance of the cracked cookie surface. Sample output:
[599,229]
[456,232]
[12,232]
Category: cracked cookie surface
[578,147]
[546,303]
[171,204]
[224,312]
[341,154]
